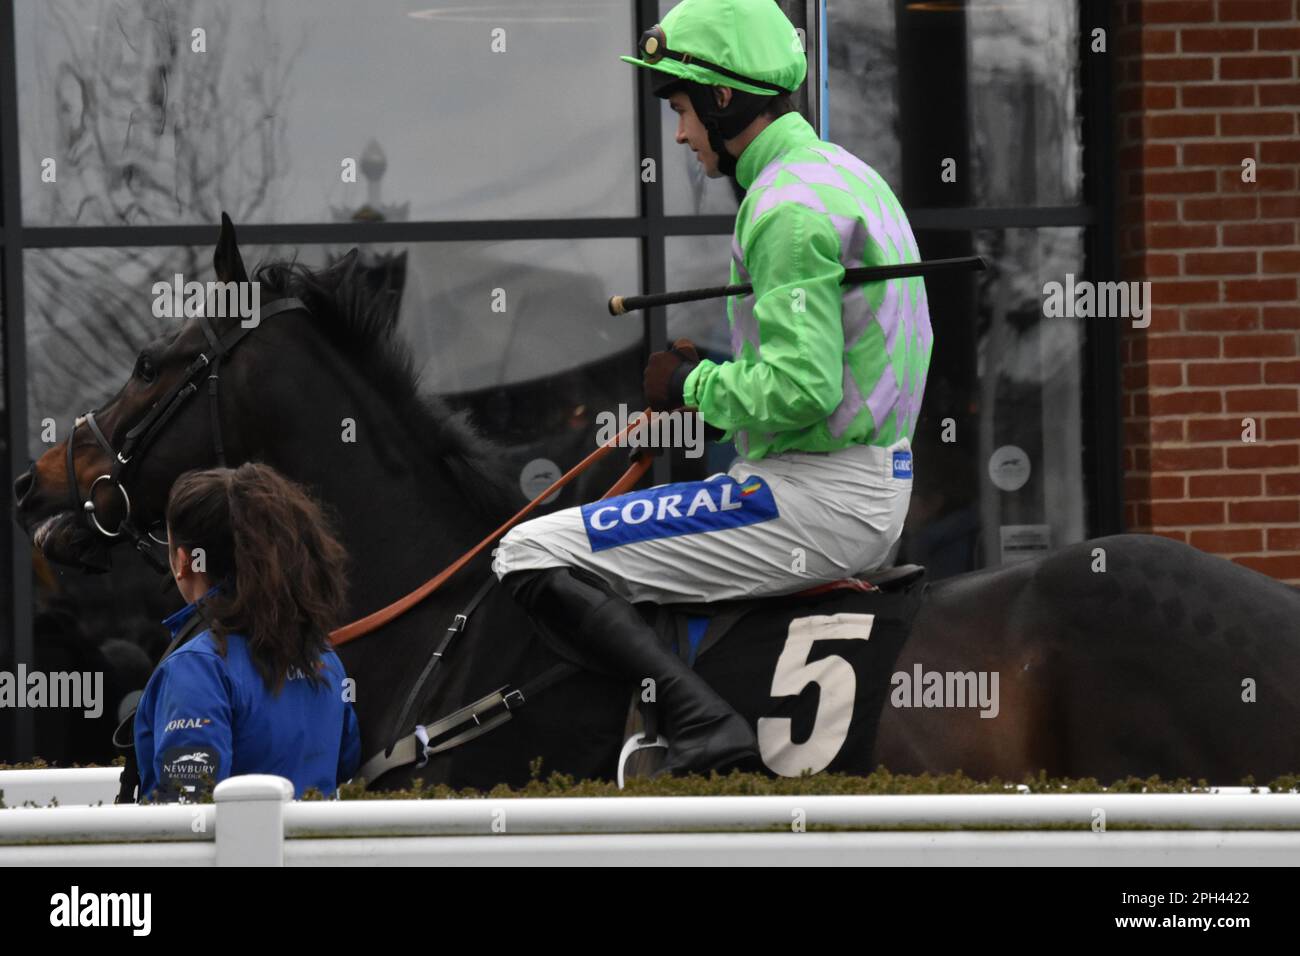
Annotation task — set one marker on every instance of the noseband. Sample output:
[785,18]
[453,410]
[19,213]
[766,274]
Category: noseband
[147,430]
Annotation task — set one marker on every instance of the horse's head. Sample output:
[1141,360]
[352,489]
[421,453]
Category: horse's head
[108,480]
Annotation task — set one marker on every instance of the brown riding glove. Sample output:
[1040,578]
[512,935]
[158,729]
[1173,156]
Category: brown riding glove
[665,375]
[672,367]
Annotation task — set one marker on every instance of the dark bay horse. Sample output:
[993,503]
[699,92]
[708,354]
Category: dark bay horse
[1125,655]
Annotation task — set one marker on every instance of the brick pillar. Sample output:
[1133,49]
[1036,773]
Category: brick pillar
[1201,86]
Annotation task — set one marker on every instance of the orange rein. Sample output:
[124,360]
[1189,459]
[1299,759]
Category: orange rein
[379,618]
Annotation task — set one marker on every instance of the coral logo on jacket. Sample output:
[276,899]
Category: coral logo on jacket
[187,723]
[689,507]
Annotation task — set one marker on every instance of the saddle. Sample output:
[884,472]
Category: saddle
[691,629]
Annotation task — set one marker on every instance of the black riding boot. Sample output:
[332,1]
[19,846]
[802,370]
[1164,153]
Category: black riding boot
[704,732]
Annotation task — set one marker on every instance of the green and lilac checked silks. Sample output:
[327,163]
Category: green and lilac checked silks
[816,366]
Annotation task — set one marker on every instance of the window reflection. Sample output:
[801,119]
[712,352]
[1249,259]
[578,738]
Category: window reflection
[1013,401]
[518,334]
[144,130]
[906,79]
[515,332]
[7,463]
[695,262]
[862,60]
[1024,83]
[88,314]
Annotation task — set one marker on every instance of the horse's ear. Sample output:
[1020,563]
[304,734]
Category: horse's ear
[226,261]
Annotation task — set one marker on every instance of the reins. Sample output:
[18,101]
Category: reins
[379,618]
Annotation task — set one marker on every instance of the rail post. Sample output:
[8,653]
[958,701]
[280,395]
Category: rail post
[250,820]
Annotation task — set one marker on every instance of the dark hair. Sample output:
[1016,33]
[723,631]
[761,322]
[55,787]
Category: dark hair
[778,106]
[274,551]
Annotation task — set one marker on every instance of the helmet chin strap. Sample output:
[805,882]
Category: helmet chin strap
[726,162]
[724,122]
[707,110]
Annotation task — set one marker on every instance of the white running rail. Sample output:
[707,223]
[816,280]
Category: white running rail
[254,821]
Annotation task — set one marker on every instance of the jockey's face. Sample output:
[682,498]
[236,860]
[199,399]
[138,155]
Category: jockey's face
[691,132]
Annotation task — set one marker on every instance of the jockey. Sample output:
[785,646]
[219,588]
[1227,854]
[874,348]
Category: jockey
[820,397]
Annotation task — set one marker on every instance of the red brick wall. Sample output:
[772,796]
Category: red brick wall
[1200,86]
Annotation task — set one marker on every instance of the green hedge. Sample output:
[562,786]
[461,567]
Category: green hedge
[740,784]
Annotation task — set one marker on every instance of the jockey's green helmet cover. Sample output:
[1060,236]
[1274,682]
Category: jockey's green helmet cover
[751,39]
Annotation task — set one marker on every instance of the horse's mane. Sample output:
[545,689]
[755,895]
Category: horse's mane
[360,318]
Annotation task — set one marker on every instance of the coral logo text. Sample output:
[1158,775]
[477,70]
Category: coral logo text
[187,723]
[689,507]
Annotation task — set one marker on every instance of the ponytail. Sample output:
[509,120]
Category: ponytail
[273,551]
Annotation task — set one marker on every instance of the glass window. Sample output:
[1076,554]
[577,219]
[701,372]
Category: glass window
[9,468]
[1027,137]
[517,332]
[512,110]
[906,76]
[999,457]
[538,376]
[696,262]
[862,76]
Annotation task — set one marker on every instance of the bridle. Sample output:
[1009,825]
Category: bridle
[147,430]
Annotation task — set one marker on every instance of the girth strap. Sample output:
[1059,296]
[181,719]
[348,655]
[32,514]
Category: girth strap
[460,727]
[457,625]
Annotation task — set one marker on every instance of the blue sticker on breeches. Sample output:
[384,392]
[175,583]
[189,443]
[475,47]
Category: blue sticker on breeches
[688,507]
[902,464]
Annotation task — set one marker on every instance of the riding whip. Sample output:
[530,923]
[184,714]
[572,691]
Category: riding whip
[623,304]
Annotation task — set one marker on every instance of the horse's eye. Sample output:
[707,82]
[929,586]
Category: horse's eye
[145,370]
